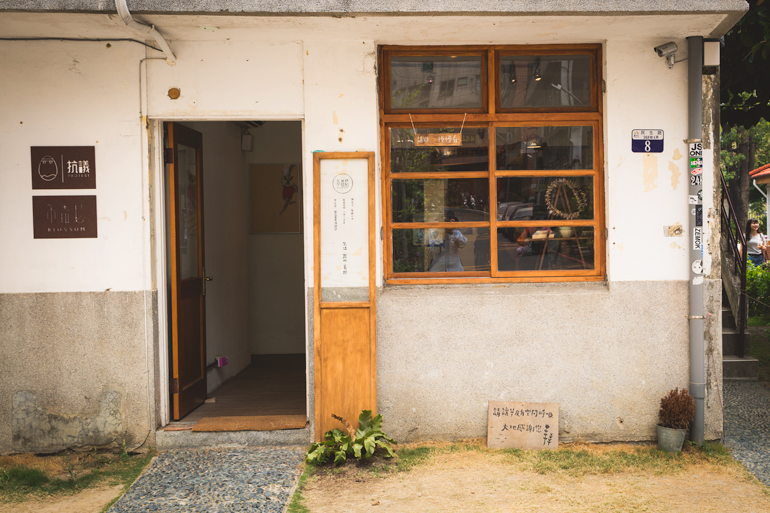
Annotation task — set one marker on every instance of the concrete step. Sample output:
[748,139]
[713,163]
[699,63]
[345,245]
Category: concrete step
[176,438]
[740,369]
[730,339]
[728,319]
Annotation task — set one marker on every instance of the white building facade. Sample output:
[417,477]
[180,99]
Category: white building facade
[86,323]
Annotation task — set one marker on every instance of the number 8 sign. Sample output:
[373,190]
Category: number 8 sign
[647,141]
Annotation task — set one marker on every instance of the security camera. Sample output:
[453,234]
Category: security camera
[667,49]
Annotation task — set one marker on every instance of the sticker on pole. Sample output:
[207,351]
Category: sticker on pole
[697,267]
[647,141]
[697,234]
[696,180]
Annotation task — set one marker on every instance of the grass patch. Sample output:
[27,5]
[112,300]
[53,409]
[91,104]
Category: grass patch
[759,321]
[26,476]
[297,504]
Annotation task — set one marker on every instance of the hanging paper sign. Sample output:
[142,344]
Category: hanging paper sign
[438,140]
[647,141]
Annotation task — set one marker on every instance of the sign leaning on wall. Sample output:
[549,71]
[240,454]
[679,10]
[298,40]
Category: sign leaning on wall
[63,167]
[514,425]
[64,217]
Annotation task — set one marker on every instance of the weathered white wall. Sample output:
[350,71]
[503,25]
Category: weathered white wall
[645,192]
[229,80]
[226,225]
[72,94]
[277,260]
[341,112]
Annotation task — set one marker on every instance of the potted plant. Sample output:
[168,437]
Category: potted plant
[677,411]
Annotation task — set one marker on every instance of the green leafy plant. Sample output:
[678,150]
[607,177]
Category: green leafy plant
[358,443]
[758,290]
[677,409]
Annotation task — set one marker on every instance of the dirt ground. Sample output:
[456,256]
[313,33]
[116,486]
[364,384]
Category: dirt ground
[484,482]
[92,500]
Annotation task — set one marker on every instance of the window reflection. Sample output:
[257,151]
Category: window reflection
[544,147]
[518,198]
[539,248]
[472,155]
[432,82]
[445,249]
[545,81]
[429,200]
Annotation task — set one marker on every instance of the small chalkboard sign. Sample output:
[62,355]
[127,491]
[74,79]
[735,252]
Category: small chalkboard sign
[513,425]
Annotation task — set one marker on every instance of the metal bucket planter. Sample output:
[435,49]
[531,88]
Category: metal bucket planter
[670,439]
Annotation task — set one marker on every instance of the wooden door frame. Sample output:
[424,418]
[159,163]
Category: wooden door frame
[160,401]
[371,304]
[180,134]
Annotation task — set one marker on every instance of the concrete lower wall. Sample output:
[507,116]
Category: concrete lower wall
[605,353]
[75,370]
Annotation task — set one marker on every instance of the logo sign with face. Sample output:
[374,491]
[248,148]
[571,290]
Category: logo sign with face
[63,167]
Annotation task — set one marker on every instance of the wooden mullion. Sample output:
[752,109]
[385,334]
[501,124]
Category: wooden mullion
[492,82]
[492,201]
[429,275]
[437,224]
[443,175]
[529,117]
[511,279]
[534,223]
[386,199]
[553,273]
[555,173]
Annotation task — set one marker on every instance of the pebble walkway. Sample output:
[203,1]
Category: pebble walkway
[216,480]
[747,425]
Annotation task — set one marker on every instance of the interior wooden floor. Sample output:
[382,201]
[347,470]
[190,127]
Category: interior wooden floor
[270,385]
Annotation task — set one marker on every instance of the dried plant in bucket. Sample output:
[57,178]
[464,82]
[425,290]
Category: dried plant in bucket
[677,411]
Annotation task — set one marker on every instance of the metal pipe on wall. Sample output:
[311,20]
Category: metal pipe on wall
[696,317]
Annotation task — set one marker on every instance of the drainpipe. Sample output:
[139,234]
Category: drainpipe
[694,136]
[125,15]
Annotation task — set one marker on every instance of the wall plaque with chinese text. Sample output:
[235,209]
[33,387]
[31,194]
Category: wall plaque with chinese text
[63,167]
[523,425]
[64,217]
[438,140]
[344,229]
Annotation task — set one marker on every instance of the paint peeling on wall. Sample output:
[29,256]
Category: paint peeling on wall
[650,172]
[35,428]
[677,154]
[675,174]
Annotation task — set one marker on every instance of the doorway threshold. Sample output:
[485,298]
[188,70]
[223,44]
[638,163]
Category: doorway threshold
[172,437]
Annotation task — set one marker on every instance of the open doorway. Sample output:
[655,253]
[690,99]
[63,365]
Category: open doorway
[235,275]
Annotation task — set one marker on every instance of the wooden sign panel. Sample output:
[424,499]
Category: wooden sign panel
[64,217]
[523,425]
[63,167]
[438,140]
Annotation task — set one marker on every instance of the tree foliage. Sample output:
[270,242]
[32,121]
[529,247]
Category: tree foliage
[745,68]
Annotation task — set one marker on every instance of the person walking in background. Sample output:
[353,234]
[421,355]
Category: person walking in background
[755,242]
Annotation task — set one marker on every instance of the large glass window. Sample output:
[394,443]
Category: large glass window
[492,187]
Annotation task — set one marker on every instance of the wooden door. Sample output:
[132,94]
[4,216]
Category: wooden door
[188,283]
[344,293]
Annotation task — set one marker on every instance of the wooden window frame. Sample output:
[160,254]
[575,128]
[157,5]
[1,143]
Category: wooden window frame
[492,117]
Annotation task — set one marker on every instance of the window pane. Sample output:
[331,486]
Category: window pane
[433,82]
[545,81]
[527,197]
[542,248]
[545,147]
[463,199]
[188,212]
[472,155]
[441,250]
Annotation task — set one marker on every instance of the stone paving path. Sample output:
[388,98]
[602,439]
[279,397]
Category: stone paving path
[747,425]
[216,480]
